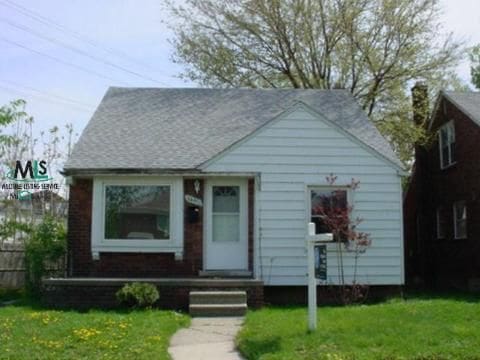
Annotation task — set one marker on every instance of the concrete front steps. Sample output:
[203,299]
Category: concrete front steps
[218,303]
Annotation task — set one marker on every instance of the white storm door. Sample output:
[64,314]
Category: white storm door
[226,235]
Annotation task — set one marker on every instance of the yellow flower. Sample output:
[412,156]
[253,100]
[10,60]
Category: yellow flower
[35,315]
[86,334]
[155,338]
[51,344]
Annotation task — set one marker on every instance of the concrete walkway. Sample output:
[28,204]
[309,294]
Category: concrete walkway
[210,338]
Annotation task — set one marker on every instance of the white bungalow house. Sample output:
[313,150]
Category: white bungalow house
[176,184]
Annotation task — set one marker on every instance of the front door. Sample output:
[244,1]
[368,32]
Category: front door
[226,232]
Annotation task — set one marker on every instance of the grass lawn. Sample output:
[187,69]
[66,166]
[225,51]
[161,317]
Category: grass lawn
[438,328]
[28,332]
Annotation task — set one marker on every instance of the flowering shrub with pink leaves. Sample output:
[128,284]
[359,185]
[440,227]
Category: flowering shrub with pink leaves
[336,217]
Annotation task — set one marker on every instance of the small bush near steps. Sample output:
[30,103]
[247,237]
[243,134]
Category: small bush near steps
[138,295]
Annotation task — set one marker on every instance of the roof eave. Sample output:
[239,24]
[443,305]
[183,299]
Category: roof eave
[124,171]
[88,173]
[475,118]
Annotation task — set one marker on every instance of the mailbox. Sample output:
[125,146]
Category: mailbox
[193,214]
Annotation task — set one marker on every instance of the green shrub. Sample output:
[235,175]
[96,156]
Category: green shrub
[7,294]
[44,247]
[10,229]
[139,295]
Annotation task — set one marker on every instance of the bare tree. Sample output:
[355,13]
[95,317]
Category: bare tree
[372,48]
[474,57]
[17,143]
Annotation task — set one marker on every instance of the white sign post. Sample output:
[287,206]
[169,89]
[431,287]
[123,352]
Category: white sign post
[311,241]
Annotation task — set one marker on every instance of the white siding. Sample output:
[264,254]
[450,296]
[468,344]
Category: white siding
[301,149]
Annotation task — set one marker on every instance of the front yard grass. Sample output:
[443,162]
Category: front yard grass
[28,332]
[426,329]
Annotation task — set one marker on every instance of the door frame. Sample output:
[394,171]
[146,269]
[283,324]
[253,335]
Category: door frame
[207,216]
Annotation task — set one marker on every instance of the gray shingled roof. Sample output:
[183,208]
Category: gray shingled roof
[467,102]
[179,129]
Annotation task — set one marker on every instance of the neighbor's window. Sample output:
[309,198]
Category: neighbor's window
[441,224]
[460,219]
[137,212]
[447,144]
[324,201]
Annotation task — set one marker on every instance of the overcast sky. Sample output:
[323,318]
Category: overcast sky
[125,33]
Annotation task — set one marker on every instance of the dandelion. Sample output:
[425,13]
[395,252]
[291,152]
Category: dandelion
[50,344]
[334,357]
[85,334]
[35,315]
[155,338]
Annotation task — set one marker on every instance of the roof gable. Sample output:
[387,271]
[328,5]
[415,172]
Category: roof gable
[180,129]
[316,115]
[467,102]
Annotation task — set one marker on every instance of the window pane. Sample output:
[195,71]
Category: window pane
[445,156]
[447,144]
[441,218]
[461,229]
[325,202]
[460,211]
[226,199]
[137,212]
[451,133]
[225,227]
[452,153]
[444,137]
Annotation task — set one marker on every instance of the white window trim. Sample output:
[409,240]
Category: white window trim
[439,209]
[310,187]
[450,125]
[455,220]
[174,244]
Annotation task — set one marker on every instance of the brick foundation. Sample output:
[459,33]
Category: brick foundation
[100,293]
[326,295]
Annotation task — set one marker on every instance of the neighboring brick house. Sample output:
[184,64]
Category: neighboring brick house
[179,184]
[442,203]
